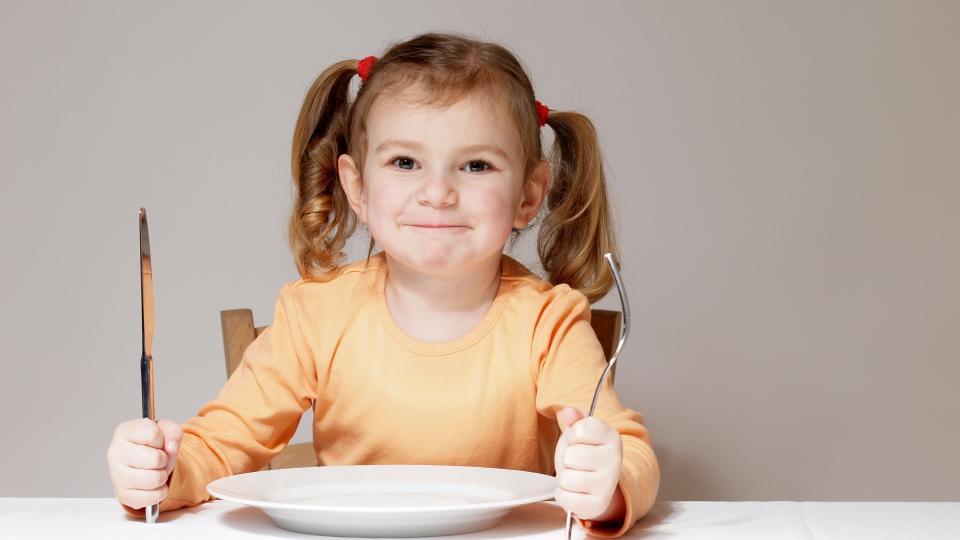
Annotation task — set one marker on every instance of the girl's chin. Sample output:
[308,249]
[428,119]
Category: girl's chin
[439,261]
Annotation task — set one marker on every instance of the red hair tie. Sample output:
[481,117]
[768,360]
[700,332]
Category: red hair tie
[364,66]
[542,113]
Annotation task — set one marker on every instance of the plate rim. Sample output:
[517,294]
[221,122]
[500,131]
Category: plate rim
[276,505]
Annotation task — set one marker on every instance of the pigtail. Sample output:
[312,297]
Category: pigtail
[576,230]
[321,220]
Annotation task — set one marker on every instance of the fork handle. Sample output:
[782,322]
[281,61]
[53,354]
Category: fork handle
[152,512]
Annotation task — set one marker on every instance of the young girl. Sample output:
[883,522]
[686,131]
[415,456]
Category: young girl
[438,349]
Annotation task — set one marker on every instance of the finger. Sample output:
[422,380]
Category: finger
[139,456]
[584,506]
[171,461]
[140,498]
[172,435]
[585,457]
[558,454]
[142,431]
[591,430]
[577,481]
[569,416]
[131,478]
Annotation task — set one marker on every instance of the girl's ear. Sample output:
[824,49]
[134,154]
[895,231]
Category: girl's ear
[534,193]
[352,183]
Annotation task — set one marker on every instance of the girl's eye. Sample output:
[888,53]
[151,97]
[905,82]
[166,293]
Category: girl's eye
[407,163]
[480,163]
[404,162]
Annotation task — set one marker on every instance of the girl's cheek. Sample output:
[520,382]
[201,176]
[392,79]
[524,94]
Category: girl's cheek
[496,203]
[386,201]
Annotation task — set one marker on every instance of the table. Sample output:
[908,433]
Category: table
[34,518]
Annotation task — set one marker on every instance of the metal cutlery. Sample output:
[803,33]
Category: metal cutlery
[146,358]
[624,332]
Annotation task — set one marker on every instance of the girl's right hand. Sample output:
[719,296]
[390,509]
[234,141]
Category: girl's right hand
[140,458]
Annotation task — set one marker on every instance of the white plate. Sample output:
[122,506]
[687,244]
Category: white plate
[385,500]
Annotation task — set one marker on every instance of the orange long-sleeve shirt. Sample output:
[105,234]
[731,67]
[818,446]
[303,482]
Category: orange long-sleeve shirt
[379,396]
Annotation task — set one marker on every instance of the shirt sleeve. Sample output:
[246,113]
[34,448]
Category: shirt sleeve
[568,360]
[255,414]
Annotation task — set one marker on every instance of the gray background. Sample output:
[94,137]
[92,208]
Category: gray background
[786,176]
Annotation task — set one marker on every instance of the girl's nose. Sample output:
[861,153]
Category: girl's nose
[437,191]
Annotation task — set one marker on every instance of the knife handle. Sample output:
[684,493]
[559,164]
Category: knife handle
[146,389]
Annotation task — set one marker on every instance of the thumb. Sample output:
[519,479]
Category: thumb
[570,416]
[172,436]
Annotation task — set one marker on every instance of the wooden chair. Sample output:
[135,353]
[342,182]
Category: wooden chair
[239,332]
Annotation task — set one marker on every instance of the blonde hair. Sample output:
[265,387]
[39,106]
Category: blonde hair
[575,227]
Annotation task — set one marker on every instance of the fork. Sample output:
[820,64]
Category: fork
[624,332]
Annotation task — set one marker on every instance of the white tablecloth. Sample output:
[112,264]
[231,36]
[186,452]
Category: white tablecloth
[28,518]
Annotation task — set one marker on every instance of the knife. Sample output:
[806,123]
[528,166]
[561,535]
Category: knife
[146,358]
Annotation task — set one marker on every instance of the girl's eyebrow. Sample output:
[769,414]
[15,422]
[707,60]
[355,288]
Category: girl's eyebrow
[417,146]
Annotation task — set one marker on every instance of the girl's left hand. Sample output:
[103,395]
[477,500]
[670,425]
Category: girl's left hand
[588,460]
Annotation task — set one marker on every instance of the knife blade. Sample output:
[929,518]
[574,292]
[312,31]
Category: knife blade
[146,320]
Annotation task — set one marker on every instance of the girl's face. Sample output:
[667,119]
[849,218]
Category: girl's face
[441,188]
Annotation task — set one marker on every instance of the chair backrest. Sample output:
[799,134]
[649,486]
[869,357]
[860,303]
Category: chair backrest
[606,325]
[239,332]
